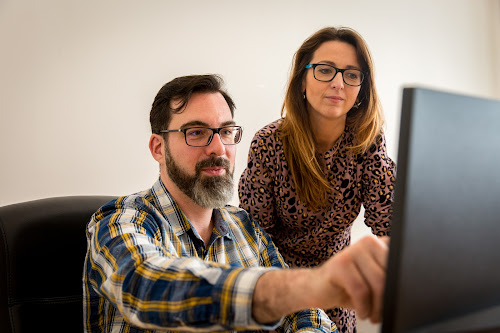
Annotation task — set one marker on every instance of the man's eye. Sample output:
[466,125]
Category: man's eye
[195,132]
[226,132]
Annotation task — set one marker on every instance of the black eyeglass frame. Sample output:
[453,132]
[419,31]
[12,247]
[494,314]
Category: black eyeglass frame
[338,70]
[214,131]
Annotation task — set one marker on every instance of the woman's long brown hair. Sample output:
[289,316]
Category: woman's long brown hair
[298,139]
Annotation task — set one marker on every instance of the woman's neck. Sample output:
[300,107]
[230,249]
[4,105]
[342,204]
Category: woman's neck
[326,133]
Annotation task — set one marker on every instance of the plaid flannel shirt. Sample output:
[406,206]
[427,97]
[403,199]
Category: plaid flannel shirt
[147,270]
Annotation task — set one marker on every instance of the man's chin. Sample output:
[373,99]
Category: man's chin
[213,191]
[215,180]
[207,175]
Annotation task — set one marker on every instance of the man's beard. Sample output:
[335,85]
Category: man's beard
[206,191]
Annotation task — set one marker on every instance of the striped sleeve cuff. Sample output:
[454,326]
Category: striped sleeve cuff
[236,299]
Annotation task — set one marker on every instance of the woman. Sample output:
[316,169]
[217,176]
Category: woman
[309,172]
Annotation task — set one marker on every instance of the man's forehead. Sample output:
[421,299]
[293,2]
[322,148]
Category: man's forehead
[197,98]
[208,108]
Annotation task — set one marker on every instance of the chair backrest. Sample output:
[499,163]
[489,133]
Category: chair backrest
[42,250]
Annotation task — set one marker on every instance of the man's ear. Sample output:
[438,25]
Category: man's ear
[157,147]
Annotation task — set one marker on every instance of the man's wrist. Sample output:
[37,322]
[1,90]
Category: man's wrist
[281,292]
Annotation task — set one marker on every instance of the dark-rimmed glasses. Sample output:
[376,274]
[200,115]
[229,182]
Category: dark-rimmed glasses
[202,136]
[326,73]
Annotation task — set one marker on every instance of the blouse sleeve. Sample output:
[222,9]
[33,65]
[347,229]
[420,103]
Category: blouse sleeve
[256,184]
[378,188]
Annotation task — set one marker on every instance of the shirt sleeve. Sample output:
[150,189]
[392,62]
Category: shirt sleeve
[301,322]
[131,263]
[378,188]
[256,184]
[308,320]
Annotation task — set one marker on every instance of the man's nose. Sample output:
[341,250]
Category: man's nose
[216,146]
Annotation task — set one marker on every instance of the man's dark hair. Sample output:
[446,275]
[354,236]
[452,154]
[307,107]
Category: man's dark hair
[180,89]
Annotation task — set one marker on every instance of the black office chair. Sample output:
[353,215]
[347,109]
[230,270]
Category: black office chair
[42,250]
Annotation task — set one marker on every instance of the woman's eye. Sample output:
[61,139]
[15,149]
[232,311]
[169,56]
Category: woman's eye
[325,70]
[352,75]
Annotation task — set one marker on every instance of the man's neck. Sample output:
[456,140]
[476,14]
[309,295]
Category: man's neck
[200,217]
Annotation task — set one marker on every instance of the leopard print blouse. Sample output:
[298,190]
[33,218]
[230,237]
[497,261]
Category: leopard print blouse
[307,238]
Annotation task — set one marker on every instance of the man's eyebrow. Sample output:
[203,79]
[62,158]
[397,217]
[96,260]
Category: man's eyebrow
[228,123]
[198,123]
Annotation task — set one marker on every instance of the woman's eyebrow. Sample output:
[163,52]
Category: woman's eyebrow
[328,62]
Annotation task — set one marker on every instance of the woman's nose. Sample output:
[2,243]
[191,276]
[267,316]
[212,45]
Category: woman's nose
[337,81]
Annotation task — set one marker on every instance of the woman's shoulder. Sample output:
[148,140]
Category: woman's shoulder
[377,152]
[378,144]
[270,130]
[267,140]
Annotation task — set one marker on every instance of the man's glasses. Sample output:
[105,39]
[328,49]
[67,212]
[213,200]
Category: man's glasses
[326,73]
[202,136]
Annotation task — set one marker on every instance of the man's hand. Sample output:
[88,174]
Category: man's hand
[353,278]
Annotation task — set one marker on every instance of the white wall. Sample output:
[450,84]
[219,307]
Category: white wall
[77,78]
[495,26]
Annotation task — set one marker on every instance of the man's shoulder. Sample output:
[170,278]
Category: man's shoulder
[235,212]
[143,201]
[137,200]
[238,217]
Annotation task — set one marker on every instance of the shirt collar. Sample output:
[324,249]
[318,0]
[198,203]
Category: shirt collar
[220,223]
[176,218]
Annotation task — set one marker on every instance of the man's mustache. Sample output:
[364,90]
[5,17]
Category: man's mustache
[213,162]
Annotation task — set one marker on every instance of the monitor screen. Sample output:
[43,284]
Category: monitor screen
[444,258]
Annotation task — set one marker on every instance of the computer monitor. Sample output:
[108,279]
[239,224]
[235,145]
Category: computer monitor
[444,256]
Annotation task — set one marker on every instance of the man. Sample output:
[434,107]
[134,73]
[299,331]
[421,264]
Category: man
[173,258]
